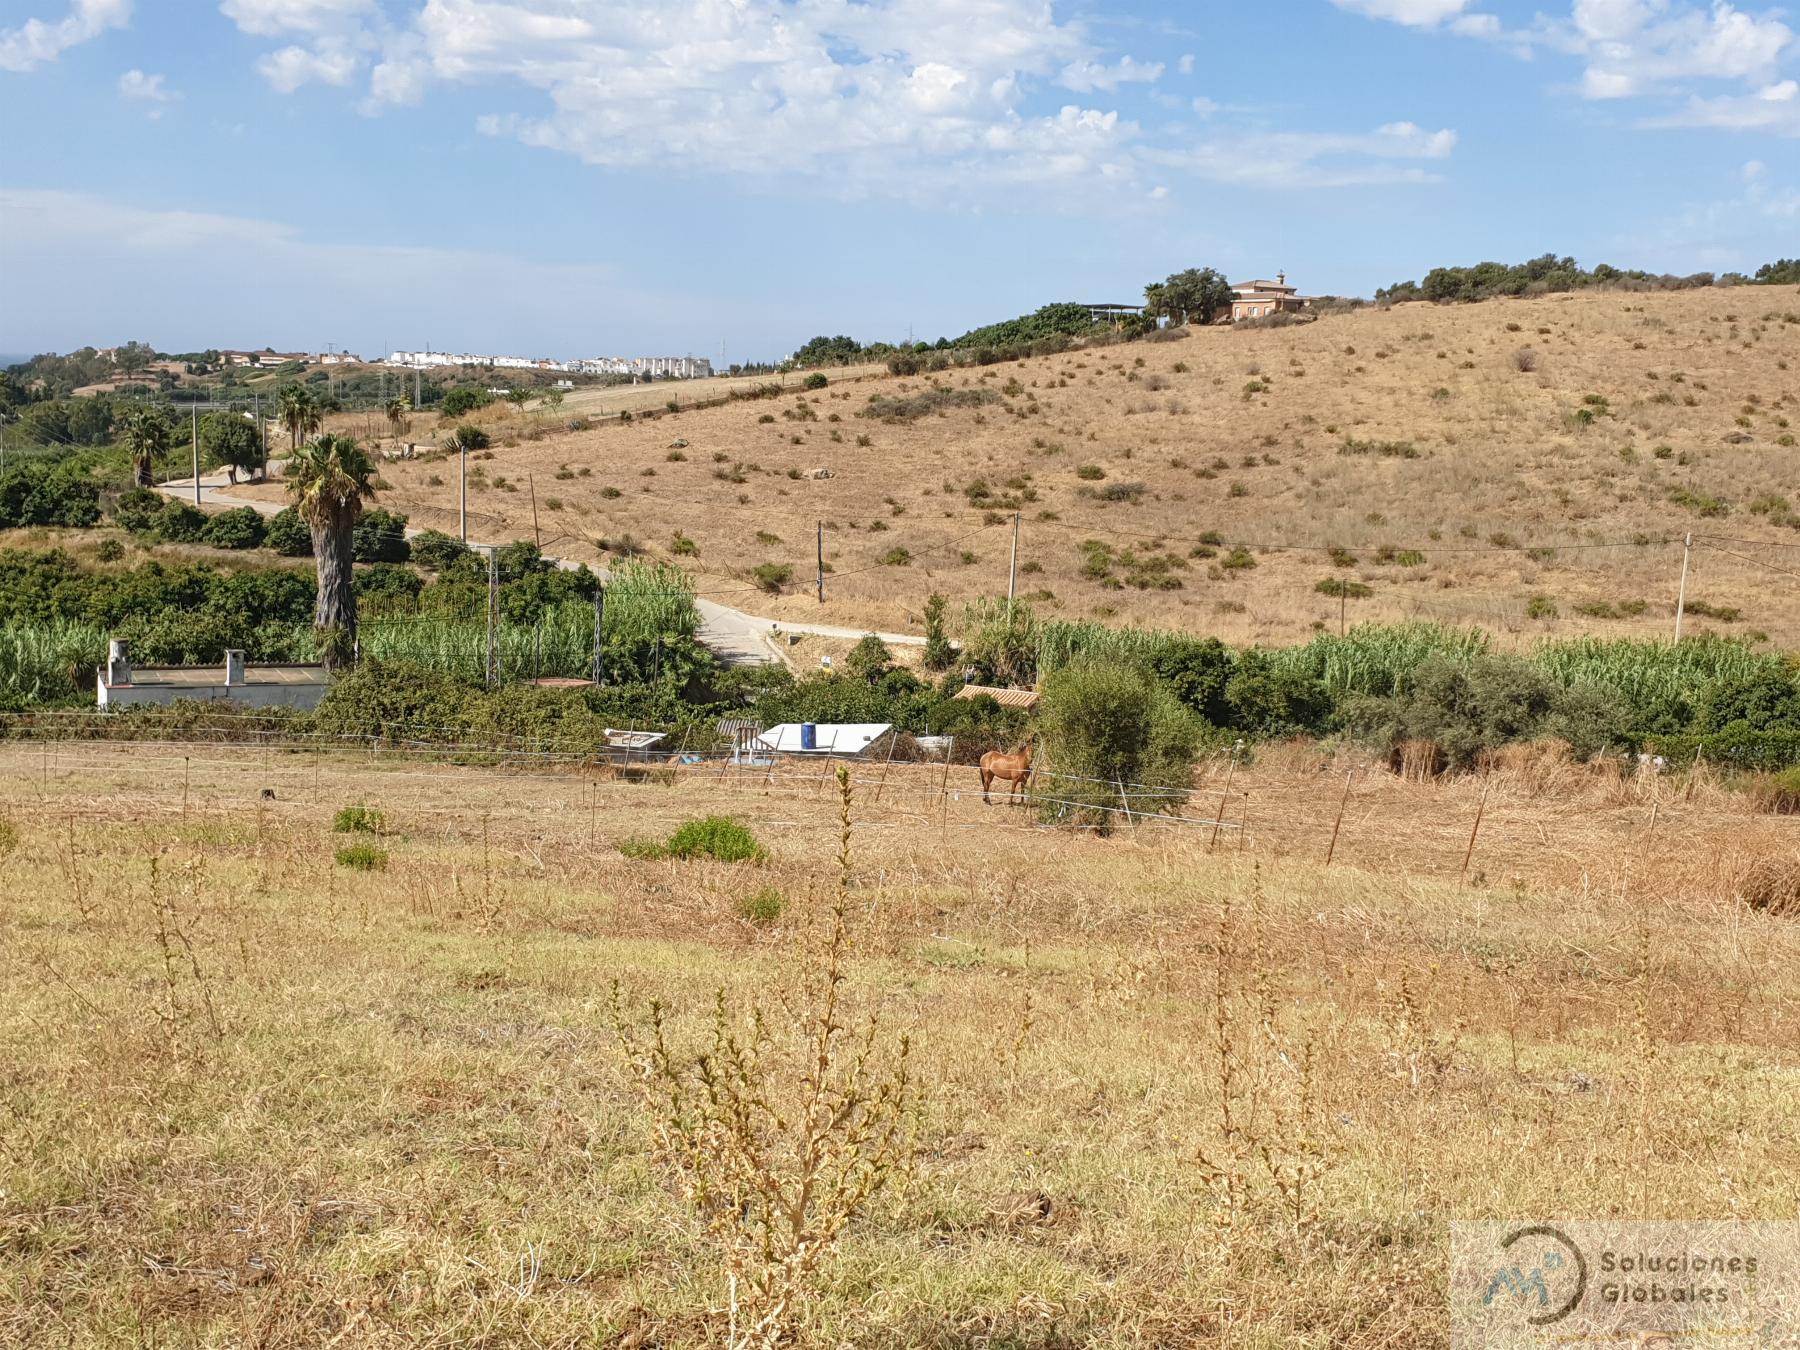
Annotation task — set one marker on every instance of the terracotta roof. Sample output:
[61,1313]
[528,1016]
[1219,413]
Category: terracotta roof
[1025,699]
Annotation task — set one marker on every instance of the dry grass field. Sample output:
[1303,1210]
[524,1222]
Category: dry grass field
[1460,486]
[1168,1091]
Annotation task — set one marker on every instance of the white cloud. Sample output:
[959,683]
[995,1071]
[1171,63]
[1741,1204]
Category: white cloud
[1186,64]
[1646,49]
[1636,46]
[1300,160]
[1413,13]
[329,63]
[150,89]
[929,100]
[36,41]
[271,18]
[333,41]
[1085,76]
[1752,112]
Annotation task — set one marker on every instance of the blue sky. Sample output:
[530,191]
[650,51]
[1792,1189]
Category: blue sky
[581,177]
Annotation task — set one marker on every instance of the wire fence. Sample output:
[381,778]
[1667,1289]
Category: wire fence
[66,740]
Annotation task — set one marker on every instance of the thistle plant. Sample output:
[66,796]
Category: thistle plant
[782,1130]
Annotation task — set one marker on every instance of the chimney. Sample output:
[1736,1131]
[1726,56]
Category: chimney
[234,667]
[118,662]
[1281,278]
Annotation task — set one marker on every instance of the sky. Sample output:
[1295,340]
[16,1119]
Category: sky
[588,177]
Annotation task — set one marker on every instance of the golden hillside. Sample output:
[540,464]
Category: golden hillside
[1530,466]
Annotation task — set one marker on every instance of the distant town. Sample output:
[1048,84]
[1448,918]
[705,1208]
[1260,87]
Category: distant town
[657,367]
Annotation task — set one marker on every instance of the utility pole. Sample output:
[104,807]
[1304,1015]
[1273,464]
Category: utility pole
[1687,551]
[194,435]
[537,535]
[462,492]
[418,377]
[1012,575]
[821,562]
[600,633]
[493,618]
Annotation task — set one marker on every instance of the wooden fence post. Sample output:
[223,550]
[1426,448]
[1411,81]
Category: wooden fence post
[1339,823]
[1224,797]
[1469,852]
[944,788]
[893,740]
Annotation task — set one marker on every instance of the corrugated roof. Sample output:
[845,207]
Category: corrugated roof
[1025,699]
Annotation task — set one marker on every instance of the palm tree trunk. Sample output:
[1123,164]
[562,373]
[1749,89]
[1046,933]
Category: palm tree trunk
[335,615]
[143,473]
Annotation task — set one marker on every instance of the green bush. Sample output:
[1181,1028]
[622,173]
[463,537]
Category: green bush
[289,535]
[381,537]
[111,550]
[771,577]
[464,398]
[763,906]
[359,820]
[869,659]
[1273,698]
[938,651]
[39,492]
[362,858]
[138,509]
[1468,707]
[438,551]
[180,523]
[720,837]
[814,381]
[240,527]
[1106,726]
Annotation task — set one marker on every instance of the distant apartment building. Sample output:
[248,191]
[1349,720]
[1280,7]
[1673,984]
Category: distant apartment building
[658,367]
[268,359]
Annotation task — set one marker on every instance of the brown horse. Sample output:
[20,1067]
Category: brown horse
[1014,768]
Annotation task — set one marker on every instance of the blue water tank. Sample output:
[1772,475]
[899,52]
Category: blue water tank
[809,736]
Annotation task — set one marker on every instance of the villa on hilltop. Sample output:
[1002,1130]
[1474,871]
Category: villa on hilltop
[1260,299]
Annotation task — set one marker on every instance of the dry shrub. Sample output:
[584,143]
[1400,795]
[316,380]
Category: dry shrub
[1772,884]
[1418,761]
[1539,766]
[1775,794]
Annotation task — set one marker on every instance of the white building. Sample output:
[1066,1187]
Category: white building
[658,367]
[120,685]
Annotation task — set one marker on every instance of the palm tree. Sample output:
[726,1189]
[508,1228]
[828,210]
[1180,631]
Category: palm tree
[329,478]
[299,412]
[146,436]
[397,410]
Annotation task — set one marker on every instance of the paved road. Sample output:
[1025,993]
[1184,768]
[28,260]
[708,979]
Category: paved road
[737,638]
